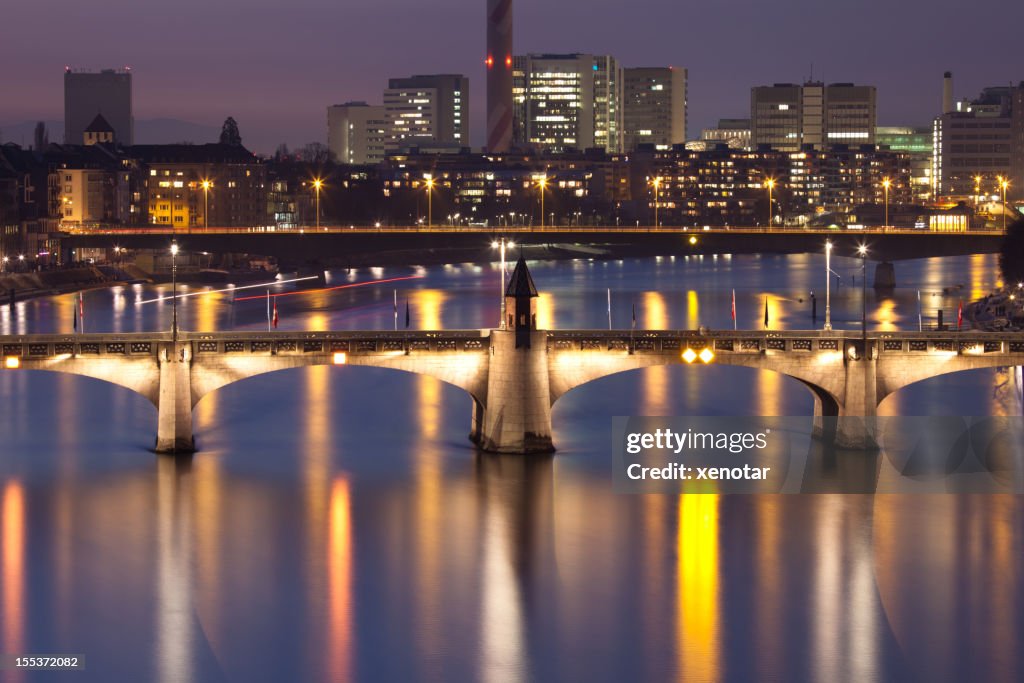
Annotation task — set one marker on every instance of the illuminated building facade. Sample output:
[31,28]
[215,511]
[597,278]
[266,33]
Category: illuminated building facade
[555,100]
[432,109]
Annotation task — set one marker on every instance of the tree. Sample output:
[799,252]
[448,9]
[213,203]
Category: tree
[314,153]
[1011,253]
[229,134]
[42,138]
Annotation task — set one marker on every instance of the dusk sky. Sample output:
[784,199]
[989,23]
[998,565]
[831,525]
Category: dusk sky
[275,66]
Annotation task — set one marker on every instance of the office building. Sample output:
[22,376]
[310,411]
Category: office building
[790,117]
[357,133]
[431,109]
[978,144]
[654,104]
[87,94]
[567,101]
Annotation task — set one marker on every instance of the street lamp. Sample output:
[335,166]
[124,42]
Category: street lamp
[542,183]
[174,291]
[317,184]
[1004,183]
[828,285]
[206,203]
[977,191]
[862,251]
[430,196]
[886,183]
[770,184]
[656,183]
[501,244]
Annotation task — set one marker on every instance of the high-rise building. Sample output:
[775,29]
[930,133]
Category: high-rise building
[654,104]
[567,101]
[107,92]
[608,109]
[792,117]
[432,109]
[357,133]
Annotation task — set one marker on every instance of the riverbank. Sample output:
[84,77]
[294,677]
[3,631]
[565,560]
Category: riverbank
[51,282]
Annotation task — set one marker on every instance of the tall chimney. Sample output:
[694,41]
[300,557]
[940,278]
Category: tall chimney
[499,75]
[947,92]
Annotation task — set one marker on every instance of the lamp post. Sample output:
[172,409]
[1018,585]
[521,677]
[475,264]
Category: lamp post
[862,251]
[656,182]
[770,184]
[542,183]
[886,183]
[317,184]
[174,291]
[1004,183]
[430,196]
[977,191]
[206,204]
[501,244]
[828,285]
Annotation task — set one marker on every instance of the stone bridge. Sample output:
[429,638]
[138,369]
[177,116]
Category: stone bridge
[516,373]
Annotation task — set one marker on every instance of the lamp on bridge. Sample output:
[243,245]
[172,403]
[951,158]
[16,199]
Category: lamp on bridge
[770,184]
[886,184]
[542,184]
[429,182]
[317,184]
[828,285]
[1004,183]
[656,184]
[206,184]
[862,251]
[502,244]
[174,291]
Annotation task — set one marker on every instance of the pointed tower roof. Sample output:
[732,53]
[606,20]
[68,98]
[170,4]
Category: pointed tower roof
[521,283]
[99,125]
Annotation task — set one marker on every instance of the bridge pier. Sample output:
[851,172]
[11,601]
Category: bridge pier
[516,415]
[855,422]
[174,401]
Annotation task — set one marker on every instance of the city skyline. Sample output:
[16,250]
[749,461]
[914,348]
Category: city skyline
[237,58]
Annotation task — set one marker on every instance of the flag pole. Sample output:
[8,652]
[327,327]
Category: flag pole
[734,309]
[396,310]
[609,308]
[920,325]
[268,310]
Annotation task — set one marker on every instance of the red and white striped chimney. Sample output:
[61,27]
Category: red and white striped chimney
[499,75]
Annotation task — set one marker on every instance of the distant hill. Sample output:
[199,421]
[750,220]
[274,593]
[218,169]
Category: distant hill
[147,132]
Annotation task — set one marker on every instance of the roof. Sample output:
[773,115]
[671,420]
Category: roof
[99,125]
[521,283]
[211,153]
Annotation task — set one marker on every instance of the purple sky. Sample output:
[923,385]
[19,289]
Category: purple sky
[276,65]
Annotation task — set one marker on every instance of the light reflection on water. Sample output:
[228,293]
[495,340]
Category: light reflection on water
[337,525]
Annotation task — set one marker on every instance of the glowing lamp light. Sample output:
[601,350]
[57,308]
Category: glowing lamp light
[12,362]
[706,356]
[489,61]
[693,240]
[340,358]
[508,61]
[689,355]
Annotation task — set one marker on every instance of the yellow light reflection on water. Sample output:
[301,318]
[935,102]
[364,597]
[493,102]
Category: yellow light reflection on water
[13,542]
[655,381]
[697,588]
[426,306]
[339,585]
[692,310]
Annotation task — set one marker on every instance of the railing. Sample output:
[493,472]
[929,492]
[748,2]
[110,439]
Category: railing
[515,229]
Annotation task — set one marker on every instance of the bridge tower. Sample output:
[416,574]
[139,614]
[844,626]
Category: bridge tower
[515,416]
